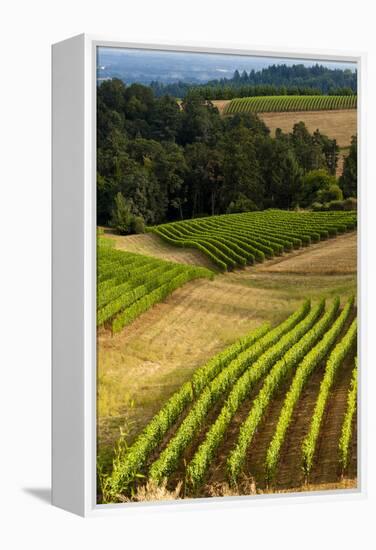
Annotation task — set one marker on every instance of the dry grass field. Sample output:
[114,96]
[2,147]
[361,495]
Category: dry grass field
[151,245]
[140,367]
[341,124]
[324,258]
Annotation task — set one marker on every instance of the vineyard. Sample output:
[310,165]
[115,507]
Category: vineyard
[226,283]
[208,429]
[235,240]
[129,284]
[269,104]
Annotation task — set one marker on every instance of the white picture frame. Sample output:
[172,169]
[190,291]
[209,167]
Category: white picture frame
[74,277]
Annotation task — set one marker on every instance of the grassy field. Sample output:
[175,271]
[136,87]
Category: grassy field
[151,245]
[140,367]
[340,125]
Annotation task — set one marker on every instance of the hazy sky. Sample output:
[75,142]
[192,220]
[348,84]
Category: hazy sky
[147,65]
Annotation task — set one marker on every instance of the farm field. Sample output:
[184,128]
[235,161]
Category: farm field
[266,104]
[224,403]
[337,124]
[334,256]
[226,276]
[235,240]
[140,367]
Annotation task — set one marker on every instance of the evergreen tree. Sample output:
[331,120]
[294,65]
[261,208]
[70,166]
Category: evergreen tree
[122,216]
[241,170]
[349,179]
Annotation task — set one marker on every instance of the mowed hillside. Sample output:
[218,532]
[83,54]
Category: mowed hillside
[150,244]
[337,124]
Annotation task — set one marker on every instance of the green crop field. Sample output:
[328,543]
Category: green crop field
[129,284]
[268,104]
[235,240]
[204,426]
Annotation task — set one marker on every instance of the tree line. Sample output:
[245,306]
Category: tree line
[273,80]
[158,160]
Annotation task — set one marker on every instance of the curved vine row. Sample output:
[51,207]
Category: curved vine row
[234,240]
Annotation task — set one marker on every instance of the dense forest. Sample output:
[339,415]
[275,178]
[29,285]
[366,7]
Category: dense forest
[159,161]
[273,80]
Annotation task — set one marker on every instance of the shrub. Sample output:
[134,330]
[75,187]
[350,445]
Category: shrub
[318,207]
[315,182]
[350,204]
[123,219]
[333,193]
[138,225]
[242,204]
[335,205]
[122,216]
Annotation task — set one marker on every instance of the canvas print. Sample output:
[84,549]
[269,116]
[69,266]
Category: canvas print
[226,275]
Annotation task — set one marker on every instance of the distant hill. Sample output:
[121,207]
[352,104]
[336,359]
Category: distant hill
[223,76]
[273,80]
